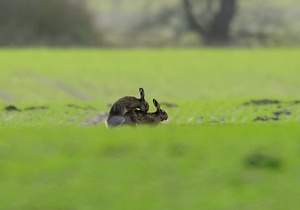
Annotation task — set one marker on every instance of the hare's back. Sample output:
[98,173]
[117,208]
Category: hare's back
[117,109]
[128,101]
[151,118]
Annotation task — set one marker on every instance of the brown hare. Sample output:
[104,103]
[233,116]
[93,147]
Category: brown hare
[140,117]
[123,105]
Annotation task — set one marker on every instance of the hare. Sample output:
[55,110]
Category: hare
[134,117]
[125,104]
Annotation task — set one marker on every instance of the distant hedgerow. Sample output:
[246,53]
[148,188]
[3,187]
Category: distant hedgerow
[46,22]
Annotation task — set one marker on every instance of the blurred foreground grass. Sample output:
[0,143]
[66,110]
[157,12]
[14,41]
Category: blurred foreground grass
[187,167]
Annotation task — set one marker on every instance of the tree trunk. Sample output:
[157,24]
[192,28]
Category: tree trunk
[217,31]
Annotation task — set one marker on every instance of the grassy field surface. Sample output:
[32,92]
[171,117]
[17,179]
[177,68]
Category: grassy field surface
[231,141]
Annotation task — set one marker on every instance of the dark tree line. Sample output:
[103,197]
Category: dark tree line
[45,22]
[68,22]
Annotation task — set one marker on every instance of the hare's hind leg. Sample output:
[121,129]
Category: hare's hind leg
[115,121]
[131,118]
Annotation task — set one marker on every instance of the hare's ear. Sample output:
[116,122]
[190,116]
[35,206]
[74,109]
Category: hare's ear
[156,104]
[142,93]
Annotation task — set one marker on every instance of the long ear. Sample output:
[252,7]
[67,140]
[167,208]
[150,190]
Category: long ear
[142,93]
[156,104]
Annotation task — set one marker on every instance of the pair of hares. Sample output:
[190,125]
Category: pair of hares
[125,111]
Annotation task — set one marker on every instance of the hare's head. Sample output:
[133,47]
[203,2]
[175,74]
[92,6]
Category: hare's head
[161,113]
[144,103]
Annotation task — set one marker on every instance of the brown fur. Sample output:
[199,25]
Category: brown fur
[140,117]
[125,104]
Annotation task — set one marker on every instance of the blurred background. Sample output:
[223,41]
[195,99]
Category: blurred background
[149,23]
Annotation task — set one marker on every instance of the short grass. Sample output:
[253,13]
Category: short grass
[211,154]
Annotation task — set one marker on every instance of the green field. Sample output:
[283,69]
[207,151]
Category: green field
[231,141]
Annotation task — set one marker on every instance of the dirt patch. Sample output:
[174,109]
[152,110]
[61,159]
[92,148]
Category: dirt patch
[283,106]
[36,108]
[200,119]
[12,108]
[169,105]
[265,118]
[287,104]
[276,115]
[296,102]
[262,102]
[292,104]
[98,118]
[31,108]
[281,112]
[80,107]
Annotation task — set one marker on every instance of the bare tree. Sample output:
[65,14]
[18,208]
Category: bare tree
[214,31]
